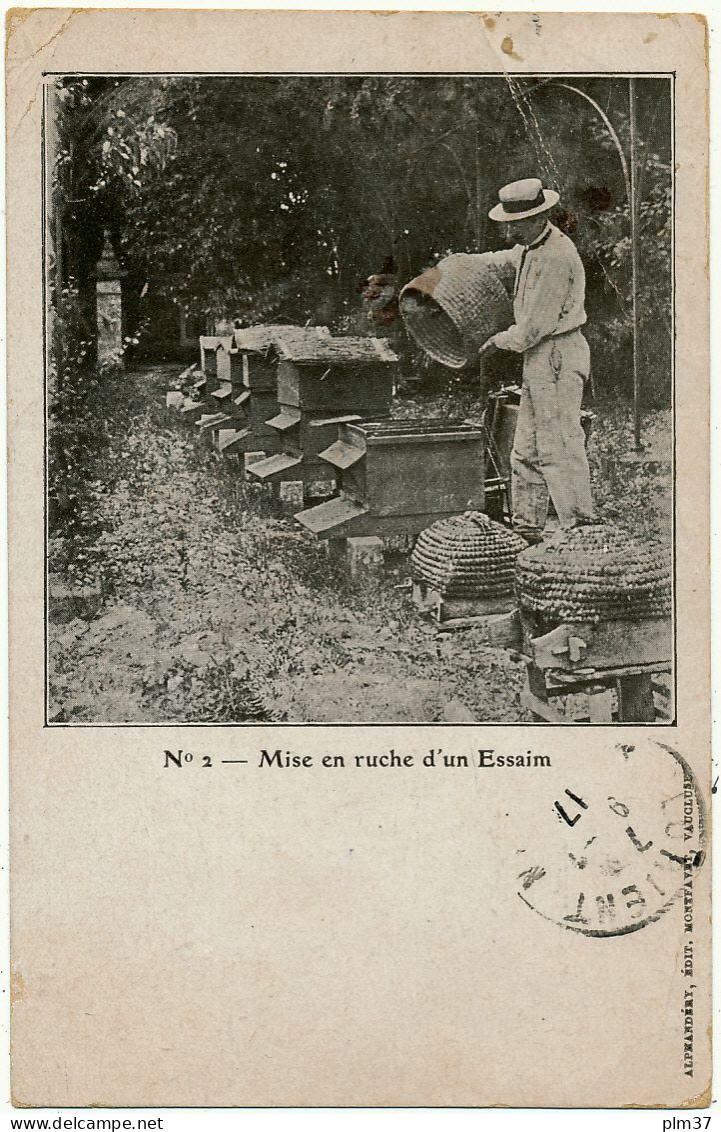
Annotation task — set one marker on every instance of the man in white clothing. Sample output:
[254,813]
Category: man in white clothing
[549,453]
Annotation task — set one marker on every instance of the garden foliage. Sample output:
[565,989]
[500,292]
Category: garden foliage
[274,197]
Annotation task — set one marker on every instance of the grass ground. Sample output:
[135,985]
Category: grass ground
[216,608]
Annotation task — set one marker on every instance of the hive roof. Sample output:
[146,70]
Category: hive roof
[259,339]
[334,351]
[216,341]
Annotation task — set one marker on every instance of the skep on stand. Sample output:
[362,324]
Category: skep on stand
[593,619]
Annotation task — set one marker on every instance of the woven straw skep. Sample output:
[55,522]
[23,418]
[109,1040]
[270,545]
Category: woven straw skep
[456,306]
[594,573]
[467,556]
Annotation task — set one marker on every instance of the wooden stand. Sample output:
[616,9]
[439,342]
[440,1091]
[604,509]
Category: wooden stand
[458,612]
[620,695]
[362,557]
[609,666]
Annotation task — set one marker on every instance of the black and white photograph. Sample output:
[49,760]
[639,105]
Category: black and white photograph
[359,398]
[359,419]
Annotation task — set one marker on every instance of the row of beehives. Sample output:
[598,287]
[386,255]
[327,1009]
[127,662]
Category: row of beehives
[311,413]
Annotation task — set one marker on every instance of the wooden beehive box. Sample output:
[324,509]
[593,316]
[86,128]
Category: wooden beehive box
[225,412]
[399,476]
[322,384]
[214,362]
[228,406]
[215,359]
[334,376]
[255,355]
[249,397]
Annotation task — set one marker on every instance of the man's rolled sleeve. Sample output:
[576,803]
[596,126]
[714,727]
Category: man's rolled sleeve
[546,291]
[505,256]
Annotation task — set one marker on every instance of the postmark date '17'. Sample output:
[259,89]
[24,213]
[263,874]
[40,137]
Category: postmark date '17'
[629,836]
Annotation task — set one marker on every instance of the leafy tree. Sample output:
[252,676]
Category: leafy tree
[274,196]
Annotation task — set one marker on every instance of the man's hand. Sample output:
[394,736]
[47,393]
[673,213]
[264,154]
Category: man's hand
[487,349]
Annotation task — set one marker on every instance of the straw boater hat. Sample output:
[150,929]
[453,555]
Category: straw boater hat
[523,198]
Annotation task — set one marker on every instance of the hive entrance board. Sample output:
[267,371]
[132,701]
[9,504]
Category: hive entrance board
[592,648]
[618,669]
[253,382]
[247,413]
[322,384]
[301,438]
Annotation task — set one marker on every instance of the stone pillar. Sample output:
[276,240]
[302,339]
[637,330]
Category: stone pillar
[109,308]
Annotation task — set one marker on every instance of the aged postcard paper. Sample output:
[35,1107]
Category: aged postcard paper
[359,591]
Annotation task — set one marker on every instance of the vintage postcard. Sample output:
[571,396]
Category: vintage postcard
[359,574]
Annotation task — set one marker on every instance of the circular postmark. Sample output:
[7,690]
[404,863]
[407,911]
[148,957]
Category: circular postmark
[621,844]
